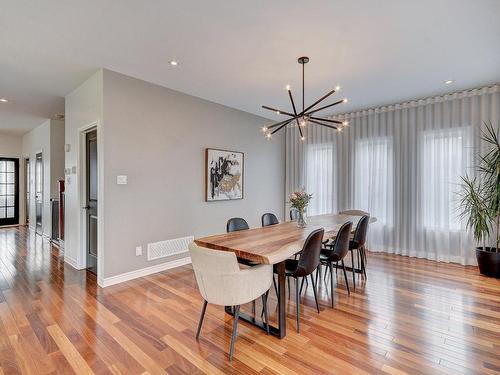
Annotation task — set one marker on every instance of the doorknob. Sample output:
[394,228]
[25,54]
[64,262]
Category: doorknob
[85,208]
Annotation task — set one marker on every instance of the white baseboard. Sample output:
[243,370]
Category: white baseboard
[108,281]
[72,262]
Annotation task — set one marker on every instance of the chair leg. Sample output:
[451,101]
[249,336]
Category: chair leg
[302,285]
[275,286]
[288,282]
[253,307]
[336,269]
[264,306]
[353,270]
[361,251]
[315,293]
[297,302]
[318,271]
[235,329]
[203,310]
[331,281]
[359,258]
[345,277]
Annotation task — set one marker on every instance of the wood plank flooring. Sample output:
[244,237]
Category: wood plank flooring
[411,316]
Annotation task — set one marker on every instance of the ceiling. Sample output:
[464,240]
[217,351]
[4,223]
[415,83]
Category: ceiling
[243,53]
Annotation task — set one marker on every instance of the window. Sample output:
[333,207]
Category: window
[374,178]
[444,160]
[320,172]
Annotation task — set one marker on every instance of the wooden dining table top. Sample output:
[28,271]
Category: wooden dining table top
[275,243]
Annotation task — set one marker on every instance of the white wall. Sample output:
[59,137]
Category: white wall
[83,107]
[11,147]
[48,138]
[56,156]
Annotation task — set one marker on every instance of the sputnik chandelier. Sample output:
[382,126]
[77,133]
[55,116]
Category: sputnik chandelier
[307,115]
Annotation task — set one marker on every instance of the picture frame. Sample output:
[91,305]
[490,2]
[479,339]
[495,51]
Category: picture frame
[224,175]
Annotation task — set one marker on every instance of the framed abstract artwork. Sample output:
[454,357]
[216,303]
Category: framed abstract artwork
[223,175]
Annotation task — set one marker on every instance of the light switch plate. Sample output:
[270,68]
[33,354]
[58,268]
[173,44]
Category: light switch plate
[138,250]
[121,180]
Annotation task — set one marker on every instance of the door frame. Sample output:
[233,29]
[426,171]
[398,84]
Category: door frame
[17,201]
[27,187]
[37,152]
[82,198]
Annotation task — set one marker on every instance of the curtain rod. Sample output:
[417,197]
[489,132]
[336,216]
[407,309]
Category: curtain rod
[419,102]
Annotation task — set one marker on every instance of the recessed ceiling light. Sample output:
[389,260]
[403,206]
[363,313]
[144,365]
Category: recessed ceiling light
[3,100]
[173,62]
[449,82]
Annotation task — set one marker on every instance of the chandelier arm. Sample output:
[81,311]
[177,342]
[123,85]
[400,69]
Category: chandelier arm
[277,110]
[280,123]
[319,123]
[300,131]
[319,100]
[327,120]
[325,107]
[295,111]
[278,129]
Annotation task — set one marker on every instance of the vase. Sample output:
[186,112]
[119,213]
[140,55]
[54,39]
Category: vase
[302,219]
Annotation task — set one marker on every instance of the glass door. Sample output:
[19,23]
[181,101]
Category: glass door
[9,191]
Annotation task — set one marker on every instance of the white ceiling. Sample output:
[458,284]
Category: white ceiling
[242,53]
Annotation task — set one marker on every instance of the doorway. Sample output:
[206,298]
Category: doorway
[9,191]
[27,184]
[39,193]
[91,200]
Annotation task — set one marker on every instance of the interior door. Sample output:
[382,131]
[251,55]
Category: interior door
[28,189]
[9,191]
[91,201]
[39,192]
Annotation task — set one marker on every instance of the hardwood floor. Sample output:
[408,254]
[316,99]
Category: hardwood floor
[411,316]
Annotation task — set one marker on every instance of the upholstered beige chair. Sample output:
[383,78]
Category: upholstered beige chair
[222,282]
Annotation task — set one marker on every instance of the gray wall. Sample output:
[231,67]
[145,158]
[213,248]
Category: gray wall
[157,137]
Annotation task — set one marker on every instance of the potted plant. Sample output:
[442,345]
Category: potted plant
[299,201]
[480,204]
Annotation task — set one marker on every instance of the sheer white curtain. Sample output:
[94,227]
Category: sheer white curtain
[402,163]
[374,182]
[320,172]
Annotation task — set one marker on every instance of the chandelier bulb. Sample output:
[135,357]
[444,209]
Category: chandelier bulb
[288,87]
[345,100]
[278,112]
[337,88]
[264,129]
[345,123]
[268,135]
[302,138]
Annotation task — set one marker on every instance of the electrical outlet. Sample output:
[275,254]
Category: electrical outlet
[138,251]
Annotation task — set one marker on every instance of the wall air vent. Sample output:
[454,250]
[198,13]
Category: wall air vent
[162,249]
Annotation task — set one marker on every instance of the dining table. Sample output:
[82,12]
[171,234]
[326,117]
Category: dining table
[273,245]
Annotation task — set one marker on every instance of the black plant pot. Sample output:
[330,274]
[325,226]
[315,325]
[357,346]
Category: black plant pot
[488,261]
